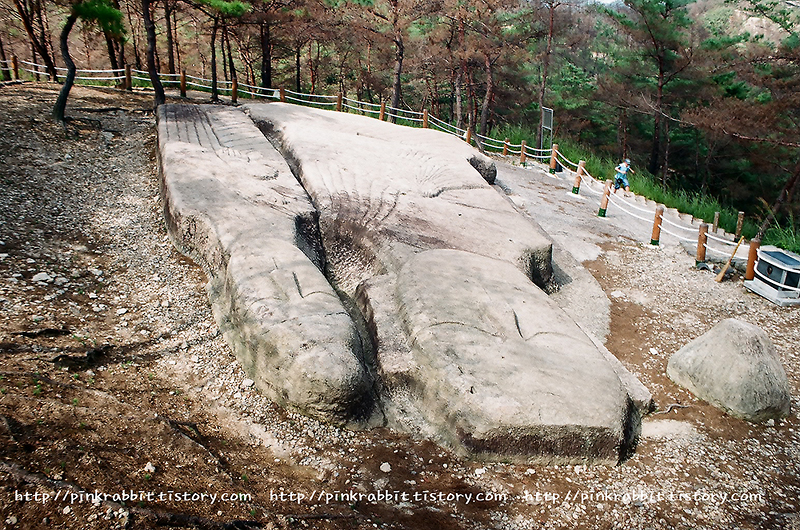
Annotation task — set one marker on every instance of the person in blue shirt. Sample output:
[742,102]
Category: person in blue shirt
[621,179]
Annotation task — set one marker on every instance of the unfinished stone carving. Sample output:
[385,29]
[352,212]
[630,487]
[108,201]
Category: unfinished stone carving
[232,204]
[438,280]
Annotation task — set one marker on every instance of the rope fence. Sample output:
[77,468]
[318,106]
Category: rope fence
[613,200]
[125,77]
[693,235]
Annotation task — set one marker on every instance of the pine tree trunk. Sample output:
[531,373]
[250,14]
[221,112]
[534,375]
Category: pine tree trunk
[459,104]
[312,68]
[150,28]
[176,43]
[61,103]
[45,36]
[665,168]
[28,18]
[622,133]
[6,70]
[170,41]
[297,68]
[112,53]
[119,44]
[224,52]
[214,88]
[399,55]
[266,55]
[472,101]
[137,58]
[657,119]
[487,98]
[231,66]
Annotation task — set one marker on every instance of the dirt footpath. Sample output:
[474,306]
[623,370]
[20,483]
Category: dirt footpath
[122,407]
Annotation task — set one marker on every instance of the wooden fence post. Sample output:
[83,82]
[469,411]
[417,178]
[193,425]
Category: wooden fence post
[750,273]
[183,83]
[702,239]
[128,78]
[339,103]
[283,95]
[604,199]
[424,118]
[576,186]
[469,135]
[234,91]
[656,235]
[15,67]
[382,115]
[553,161]
[505,147]
[523,156]
[739,224]
[716,222]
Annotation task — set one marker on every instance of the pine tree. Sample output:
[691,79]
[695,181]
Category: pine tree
[108,18]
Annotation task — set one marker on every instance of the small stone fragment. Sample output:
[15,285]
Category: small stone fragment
[42,277]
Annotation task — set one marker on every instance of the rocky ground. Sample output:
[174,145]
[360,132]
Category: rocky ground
[122,407]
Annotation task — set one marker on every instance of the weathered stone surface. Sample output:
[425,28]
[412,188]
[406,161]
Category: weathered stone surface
[233,205]
[385,192]
[501,366]
[735,367]
[441,266]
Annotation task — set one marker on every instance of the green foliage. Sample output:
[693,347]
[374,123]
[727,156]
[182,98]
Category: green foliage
[598,166]
[792,42]
[784,235]
[717,20]
[232,8]
[732,87]
[724,42]
[515,133]
[701,206]
[103,13]
[763,97]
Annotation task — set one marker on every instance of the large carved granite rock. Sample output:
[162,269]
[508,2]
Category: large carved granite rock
[735,367]
[499,366]
[445,272]
[233,205]
[384,193]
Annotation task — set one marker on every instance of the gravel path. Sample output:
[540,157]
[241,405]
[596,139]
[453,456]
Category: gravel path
[115,377]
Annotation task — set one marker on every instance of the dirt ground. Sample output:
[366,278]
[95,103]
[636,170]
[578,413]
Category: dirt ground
[122,407]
